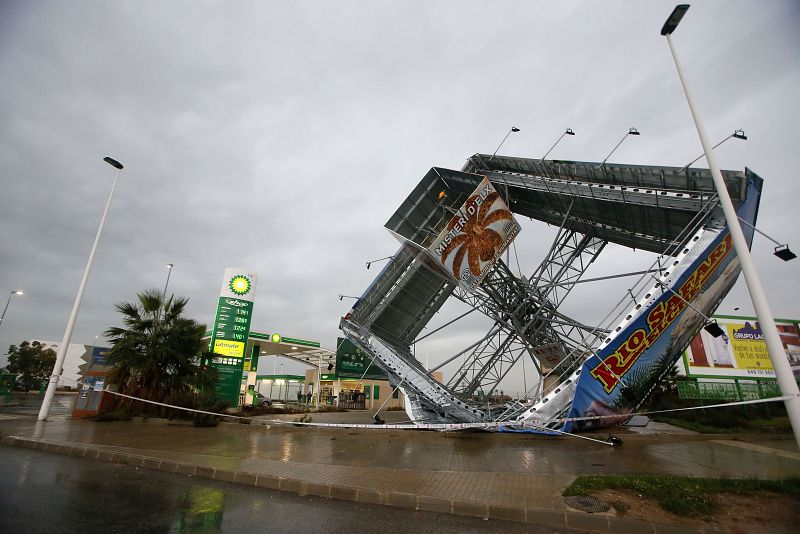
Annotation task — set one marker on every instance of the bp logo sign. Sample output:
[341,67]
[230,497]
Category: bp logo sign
[240,285]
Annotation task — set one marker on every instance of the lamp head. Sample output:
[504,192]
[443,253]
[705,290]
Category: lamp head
[713,328]
[633,131]
[674,19]
[114,163]
[514,129]
[569,131]
[739,134]
[342,296]
[170,266]
[368,264]
[784,253]
[18,292]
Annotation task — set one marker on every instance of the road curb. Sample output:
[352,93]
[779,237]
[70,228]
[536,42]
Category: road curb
[566,518]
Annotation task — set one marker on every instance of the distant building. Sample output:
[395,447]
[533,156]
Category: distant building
[77,355]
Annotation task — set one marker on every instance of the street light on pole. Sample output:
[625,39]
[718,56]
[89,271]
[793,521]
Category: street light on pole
[738,134]
[780,363]
[631,131]
[513,129]
[11,294]
[169,272]
[567,132]
[370,262]
[62,349]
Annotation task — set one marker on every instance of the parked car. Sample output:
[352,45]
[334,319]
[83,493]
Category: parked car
[261,400]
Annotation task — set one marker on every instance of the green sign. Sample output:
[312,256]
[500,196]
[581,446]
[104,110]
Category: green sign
[231,331]
[351,362]
[230,379]
[232,327]
[255,354]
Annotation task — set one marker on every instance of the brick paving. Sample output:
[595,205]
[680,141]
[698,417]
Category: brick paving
[502,476]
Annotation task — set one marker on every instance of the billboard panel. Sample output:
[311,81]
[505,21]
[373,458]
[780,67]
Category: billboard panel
[352,362]
[663,330]
[476,236]
[741,351]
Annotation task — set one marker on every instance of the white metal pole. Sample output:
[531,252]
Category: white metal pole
[169,272]
[62,349]
[783,371]
[11,294]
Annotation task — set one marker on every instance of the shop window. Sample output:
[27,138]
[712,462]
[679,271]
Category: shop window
[366,392]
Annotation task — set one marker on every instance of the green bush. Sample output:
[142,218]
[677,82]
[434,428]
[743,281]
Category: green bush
[121,413]
[209,403]
[196,401]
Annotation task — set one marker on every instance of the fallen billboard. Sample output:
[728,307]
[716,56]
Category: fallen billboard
[655,337]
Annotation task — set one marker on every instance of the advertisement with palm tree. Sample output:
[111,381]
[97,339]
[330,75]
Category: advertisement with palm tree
[477,235]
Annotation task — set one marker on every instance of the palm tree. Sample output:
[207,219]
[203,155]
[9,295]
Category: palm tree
[158,351]
[638,384]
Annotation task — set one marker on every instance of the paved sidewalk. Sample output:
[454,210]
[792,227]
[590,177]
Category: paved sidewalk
[504,476]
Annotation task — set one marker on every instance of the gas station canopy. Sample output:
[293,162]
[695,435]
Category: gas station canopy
[274,344]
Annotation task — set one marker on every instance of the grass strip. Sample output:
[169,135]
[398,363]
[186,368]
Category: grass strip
[685,496]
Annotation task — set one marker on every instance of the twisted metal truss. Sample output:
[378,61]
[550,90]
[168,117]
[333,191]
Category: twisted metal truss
[526,314]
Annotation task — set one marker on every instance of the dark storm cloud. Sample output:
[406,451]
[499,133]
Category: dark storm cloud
[280,137]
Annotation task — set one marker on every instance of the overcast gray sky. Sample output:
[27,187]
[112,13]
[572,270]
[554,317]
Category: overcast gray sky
[280,137]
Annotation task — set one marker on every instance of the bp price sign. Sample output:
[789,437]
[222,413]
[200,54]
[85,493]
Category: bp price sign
[231,330]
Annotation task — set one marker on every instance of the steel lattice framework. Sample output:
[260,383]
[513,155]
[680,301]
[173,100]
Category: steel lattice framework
[658,209]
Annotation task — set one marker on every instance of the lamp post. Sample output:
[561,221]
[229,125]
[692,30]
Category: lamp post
[631,131]
[10,294]
[513,129]
[780,363]
[782,250]
[169,272]
[370,262]
[738,134]
[62,349]
[567,132]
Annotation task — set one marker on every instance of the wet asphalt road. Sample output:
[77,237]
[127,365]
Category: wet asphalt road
[42,492]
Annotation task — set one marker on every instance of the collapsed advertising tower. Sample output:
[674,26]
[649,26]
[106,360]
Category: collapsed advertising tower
[454,227]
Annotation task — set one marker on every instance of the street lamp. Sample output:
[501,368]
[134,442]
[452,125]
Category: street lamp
[782,250]
[710,326]
[169,272]
[631,131]
[567,132]
[346,296]
[738,134]
[780,363]
[62,349]
[513,129]
[370,262]
[11,294]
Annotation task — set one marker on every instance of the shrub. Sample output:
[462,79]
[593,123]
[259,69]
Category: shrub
[121,413]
